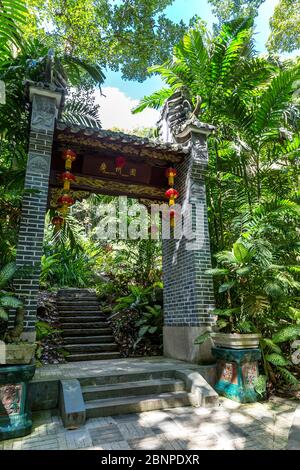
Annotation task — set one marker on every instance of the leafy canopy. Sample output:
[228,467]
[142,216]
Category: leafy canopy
[127,35]
[226,10]
[285,27]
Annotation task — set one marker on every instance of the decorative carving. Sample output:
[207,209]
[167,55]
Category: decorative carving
[104,186]
[179,117]
[197,190]
[38,163]
[43,112]
[10,399]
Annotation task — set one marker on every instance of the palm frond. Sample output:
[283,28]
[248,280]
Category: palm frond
[75,66]
[274,99]
[12,16]
[79,113]
[155,100]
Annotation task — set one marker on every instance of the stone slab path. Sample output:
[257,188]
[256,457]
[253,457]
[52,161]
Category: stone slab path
[229,426]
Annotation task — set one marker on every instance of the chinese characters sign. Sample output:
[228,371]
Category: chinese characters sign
[106,167]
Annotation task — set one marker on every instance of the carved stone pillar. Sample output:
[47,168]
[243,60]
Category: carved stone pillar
[45,105]
[188,289]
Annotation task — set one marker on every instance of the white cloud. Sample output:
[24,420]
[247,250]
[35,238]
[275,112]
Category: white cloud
[115,111]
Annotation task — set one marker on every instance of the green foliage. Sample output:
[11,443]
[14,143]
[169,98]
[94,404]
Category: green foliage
[252,180]
[285,25]
[288,333]
[260,385]
[150,323]
[12,17]
[226,10]
[68,268]
[141,312]
[43,330]
[124,35]
[203,338]
[7,298]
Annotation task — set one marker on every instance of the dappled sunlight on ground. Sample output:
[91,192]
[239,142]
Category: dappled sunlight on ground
[229,426]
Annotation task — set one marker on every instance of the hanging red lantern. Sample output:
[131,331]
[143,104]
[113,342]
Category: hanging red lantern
[170,174]
[172,194]
[57,221]
[67,177]
[65,199]
[69,156]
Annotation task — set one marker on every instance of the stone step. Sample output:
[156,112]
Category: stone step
[82,314]
[92,356]
[148,387]
[76,306]
[128,376]
[75,330]
[88,339]
[70,297]
[84,326]
[91,348]
[136,404]
[83,319]
[75,290]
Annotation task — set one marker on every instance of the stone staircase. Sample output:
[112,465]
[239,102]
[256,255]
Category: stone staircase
[136,392]
[86,331]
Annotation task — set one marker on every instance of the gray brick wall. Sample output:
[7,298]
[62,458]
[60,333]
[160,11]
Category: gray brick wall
[31,231]
[188,290]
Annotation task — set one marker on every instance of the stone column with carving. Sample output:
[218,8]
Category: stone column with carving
[188,289]
[45,105]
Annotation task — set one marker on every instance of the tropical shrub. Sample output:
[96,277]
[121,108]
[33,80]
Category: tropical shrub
[137,320]
[7,298]
[150,323]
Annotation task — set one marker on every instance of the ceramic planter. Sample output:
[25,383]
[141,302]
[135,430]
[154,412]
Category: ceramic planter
[15,417]
[237,358]
[21,353]
[236,340]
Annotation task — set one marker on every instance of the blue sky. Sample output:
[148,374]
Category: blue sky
[186,9]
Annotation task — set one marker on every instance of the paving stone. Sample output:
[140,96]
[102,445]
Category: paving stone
[97,422]
[229,426]
[133,430]
[78,439]
[155,443]
[121,445]
[105,434]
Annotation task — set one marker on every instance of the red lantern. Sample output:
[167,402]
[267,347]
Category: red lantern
[69,156]
[65,200]
[170,174]
[57,221]
[172,194]
[67,177]
[120,162]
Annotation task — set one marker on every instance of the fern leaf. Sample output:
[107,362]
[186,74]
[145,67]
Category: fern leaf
[7,273]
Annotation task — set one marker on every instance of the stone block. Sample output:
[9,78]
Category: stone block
[179,343]
[71,404]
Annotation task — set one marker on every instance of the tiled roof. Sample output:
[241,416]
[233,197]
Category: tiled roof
[120,137]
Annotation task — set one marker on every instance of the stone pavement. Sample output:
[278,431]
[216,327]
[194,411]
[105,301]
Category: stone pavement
[76,370]
[229,426]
